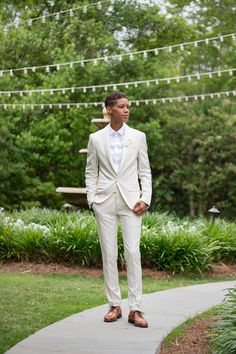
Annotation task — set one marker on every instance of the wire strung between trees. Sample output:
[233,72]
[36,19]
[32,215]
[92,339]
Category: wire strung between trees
[55,15]
[106,59]
[148,101]
[94,88]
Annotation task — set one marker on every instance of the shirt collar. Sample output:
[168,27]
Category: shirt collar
[121,131]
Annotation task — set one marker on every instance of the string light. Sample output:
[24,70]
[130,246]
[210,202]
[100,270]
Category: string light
[145,55]
[99,5]
[120,56]
[137,102]
[55,15]
[114,85]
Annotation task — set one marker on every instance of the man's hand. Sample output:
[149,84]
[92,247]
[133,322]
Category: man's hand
[140,208]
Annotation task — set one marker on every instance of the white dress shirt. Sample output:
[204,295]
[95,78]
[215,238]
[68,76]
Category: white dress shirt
[116,146]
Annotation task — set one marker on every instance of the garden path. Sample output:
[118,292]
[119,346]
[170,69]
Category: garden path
[86,333]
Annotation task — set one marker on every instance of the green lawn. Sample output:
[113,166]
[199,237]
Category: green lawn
[30,302]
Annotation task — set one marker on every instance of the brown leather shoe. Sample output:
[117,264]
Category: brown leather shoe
[113,314]
[136,317]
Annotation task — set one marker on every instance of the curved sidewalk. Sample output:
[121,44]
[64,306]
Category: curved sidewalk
[86,333]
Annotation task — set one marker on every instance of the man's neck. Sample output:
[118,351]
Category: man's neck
[116,126]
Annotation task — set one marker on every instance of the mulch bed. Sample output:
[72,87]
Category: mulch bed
[54,268]
[195,340]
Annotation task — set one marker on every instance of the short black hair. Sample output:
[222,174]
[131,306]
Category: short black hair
[111,99]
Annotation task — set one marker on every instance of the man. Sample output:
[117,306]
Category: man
[117,164]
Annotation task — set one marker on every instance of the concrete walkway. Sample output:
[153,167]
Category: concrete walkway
[86,333]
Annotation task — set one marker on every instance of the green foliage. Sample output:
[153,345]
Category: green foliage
[223,339]
[167,242]
[222,234]
[181,252]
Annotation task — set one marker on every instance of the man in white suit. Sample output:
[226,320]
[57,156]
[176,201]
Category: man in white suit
[118,183]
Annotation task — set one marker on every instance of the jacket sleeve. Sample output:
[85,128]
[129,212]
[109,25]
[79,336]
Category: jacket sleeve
[91,171]
[144,171]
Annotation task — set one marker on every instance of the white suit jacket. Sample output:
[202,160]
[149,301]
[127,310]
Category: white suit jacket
[133,178]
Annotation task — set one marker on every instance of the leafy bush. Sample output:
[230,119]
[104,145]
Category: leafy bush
[223,339]
[166,243]
[224,235]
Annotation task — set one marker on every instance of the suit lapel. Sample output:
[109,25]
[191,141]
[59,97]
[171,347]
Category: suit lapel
[106,145]
[126,142]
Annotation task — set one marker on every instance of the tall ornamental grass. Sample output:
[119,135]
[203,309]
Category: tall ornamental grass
[167,242]
[223,339]
[223,234]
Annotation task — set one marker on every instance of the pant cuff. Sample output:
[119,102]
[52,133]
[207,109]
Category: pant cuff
[135,308]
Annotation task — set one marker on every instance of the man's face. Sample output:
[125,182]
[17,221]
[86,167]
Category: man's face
[119,112]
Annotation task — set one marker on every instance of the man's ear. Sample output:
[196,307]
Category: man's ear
[109,110]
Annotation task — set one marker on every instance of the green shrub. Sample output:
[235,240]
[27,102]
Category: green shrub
[224,235]
[179,245]
[75,242]
[223,339]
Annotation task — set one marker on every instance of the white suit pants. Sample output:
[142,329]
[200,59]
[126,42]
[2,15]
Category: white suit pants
[108,214]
